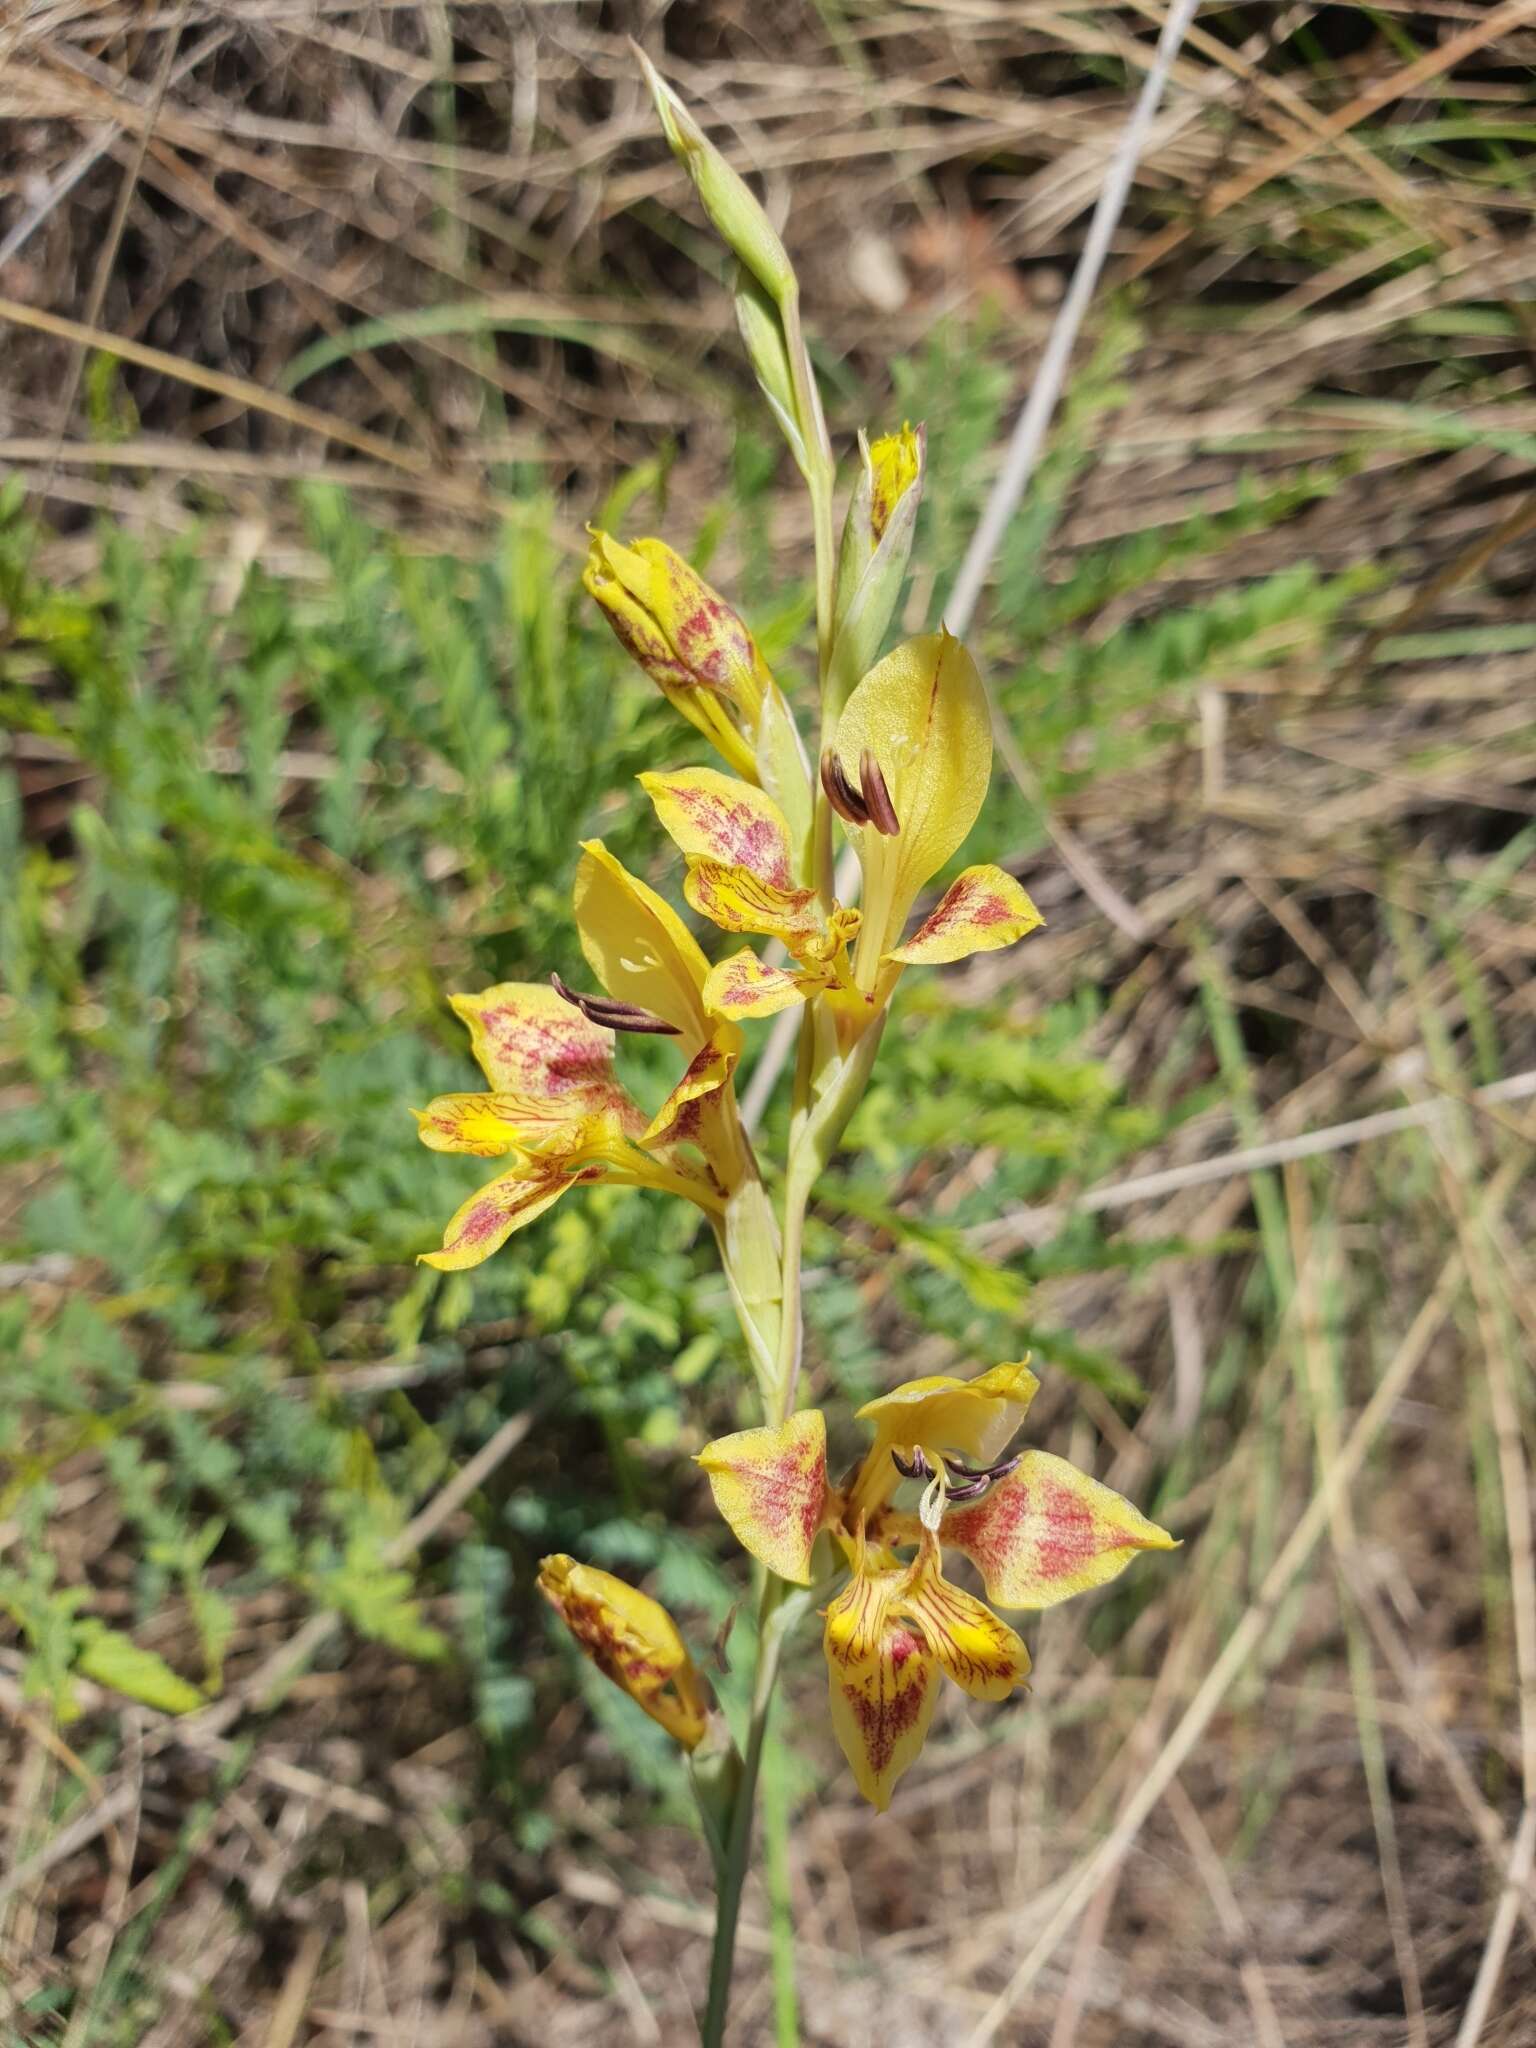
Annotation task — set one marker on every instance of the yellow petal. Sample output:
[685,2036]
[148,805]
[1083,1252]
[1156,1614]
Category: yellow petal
[486,1126]
[483,1224]
[743,986]
[771,1487]
[980,1653]
[981,910]
[976,1417]
[638,946]
[739,901]
[531,1042]
[631,1639]
[883,1684]
[922,714]
[1048,1531]
[711,816]
[707,1073]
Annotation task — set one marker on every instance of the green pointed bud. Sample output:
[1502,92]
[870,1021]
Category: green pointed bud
[877,540]
[734,213]
[762,331]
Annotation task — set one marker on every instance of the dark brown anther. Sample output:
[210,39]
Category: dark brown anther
[841,794]
[877,798]
[974,1480]
[613,1015]
[919,1467]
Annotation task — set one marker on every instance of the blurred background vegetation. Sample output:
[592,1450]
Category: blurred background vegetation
[328,326]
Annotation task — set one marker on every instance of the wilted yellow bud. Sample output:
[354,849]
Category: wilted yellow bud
[632,1640]
[688,640]
[877,540]
[734,213]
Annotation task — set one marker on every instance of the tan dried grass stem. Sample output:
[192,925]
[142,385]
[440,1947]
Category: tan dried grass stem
[1240,1646]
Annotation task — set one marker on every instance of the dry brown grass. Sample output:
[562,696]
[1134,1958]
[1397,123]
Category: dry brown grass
[1295,1805]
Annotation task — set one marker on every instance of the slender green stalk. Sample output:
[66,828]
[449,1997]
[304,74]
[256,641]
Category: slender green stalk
[781,1913]
[738,1848]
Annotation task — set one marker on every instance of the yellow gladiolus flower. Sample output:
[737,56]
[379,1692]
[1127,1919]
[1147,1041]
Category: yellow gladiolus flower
[1036,1528]
[914,744]
[688,640]
[631,1639]
[917,734]
[556,1108]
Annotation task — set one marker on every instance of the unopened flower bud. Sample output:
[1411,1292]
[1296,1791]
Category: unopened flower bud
[631,1639]
[734,212]
[685,636]
[877,541]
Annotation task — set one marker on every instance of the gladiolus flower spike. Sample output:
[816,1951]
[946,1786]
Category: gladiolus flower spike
[901,764]
[1037,1529]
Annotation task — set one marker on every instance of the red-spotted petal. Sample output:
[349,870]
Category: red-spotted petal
[771,1487]
[981,910]
[1048,1531]
[531,1042]
[743,986]
[739,901]
[485,1222]
[711,816]
[706,1074]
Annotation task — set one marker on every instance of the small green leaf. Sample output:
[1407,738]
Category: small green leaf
[116,1660]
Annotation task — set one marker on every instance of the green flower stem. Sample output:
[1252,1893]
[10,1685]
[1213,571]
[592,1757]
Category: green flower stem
[771,1629]
[781,1910]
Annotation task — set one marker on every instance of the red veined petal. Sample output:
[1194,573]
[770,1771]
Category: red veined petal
[980,1653]
[739,901]
[743,986]
[883,1683]
[981,910]
[483,1224]
[1048,1531]
[771,1487]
